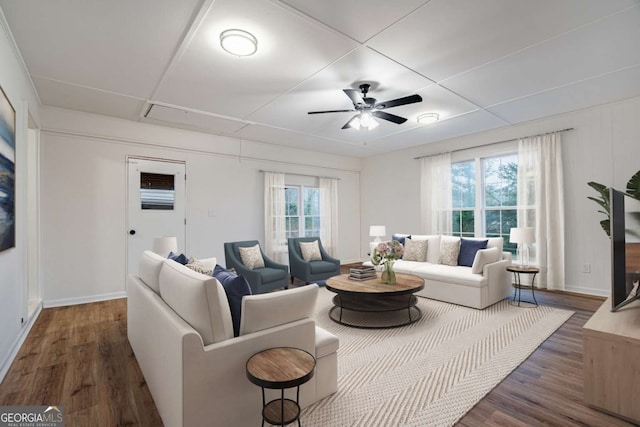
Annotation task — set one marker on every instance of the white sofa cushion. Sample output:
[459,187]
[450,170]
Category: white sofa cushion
[485,256]
[433,247]
[200,300]
[149,269]
[451,274]
[265,311]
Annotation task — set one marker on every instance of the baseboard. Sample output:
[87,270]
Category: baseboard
[17,344]
[588,291]
[84,300]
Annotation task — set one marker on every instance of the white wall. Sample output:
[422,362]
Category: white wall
[13,262]
[83,173]
[604,147]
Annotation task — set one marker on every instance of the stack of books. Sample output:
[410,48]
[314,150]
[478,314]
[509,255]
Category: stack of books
[362,273]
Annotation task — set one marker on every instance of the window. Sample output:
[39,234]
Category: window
[486,206]
[157,191]
[302,211]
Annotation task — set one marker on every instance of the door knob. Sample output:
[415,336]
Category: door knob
[132,232]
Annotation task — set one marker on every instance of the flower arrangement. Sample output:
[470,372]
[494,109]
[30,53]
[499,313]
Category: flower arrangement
[386,253]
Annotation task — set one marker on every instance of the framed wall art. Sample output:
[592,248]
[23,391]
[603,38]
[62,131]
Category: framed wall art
[7,173]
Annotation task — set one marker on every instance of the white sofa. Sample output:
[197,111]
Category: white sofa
[458,284]
[180,329]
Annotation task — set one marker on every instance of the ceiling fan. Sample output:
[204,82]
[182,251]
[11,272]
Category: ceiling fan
[367,108]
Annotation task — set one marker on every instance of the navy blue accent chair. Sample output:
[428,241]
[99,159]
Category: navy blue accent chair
[311,271]
[261,280]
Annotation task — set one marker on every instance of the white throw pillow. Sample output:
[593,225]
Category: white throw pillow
[310,251]
[251,257]
[483,257]
[449,250]
[415,250]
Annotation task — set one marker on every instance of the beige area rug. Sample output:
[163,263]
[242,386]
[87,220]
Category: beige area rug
[429,373]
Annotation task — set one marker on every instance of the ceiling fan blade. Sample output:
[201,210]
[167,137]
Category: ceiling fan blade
[391,117]
[348,124]
[330,111]
[399,101]
[355,96]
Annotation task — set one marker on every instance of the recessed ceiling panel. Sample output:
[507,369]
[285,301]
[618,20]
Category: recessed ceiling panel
[121,46]
[600,90]
[192,120]
[79,98]
[290,49]
[324,91]
[466,124]
[445,38]
[360,19]
[608,45]
[303,141]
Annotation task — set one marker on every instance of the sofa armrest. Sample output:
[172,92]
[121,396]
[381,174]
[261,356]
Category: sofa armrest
[268,262]
[266,311]
[507,256]
[498,279]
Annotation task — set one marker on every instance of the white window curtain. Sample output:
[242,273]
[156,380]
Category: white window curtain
[435,194]
[541,204]
[275,236]
[329,215]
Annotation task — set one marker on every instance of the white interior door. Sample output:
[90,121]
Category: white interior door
[156,205]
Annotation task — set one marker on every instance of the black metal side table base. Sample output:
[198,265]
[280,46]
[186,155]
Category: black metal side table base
[517,286]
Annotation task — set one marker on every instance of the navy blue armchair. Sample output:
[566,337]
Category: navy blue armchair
[311,271]
[261,280]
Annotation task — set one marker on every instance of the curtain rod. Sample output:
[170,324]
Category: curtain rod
[301,174]
[494,143]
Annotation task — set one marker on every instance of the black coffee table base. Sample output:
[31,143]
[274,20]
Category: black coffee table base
[374,304]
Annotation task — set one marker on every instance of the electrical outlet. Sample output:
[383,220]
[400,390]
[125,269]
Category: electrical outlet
[586,268]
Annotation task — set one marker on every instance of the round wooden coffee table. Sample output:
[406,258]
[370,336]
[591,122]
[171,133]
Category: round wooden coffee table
[280,368]
[375,297]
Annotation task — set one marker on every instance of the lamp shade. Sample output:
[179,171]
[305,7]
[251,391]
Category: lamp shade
[163,245]
[377,231]
[522,235]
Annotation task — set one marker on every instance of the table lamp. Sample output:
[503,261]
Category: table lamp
[523,236]
[377,231]
[163,245]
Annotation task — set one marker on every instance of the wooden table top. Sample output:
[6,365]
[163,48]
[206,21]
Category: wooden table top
[522,269]
[280,367]
[406,283]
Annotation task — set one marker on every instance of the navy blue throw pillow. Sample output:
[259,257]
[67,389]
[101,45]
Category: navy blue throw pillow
[400,238]
[179,258]
[468,249]
[235,287]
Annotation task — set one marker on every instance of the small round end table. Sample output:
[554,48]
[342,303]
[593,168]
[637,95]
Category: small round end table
[517,270]
[281,368]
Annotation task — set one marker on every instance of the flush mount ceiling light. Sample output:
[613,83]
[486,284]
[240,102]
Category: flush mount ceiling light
[238,42]
[428,118]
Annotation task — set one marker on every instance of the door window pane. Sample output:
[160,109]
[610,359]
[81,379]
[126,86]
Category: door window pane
[157,191]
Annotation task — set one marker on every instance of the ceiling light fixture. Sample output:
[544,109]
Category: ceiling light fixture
[428,118]
[238,42]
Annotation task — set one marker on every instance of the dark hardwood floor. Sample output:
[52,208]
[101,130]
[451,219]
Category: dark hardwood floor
[79,357]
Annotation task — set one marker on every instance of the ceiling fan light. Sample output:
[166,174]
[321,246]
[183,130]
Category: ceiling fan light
[373,123]
[355,123]
[428,118]
[238,42]
[365,120]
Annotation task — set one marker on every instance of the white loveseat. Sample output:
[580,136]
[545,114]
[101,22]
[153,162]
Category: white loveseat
[459,284]
[180,329]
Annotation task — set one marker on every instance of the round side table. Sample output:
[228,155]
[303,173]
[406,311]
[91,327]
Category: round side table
[517,270]
[280,368]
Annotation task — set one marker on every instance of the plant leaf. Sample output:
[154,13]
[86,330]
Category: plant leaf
[606,226]
[633,186]
[604,195]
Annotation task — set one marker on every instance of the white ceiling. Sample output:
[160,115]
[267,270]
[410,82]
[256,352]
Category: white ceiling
[479,64]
